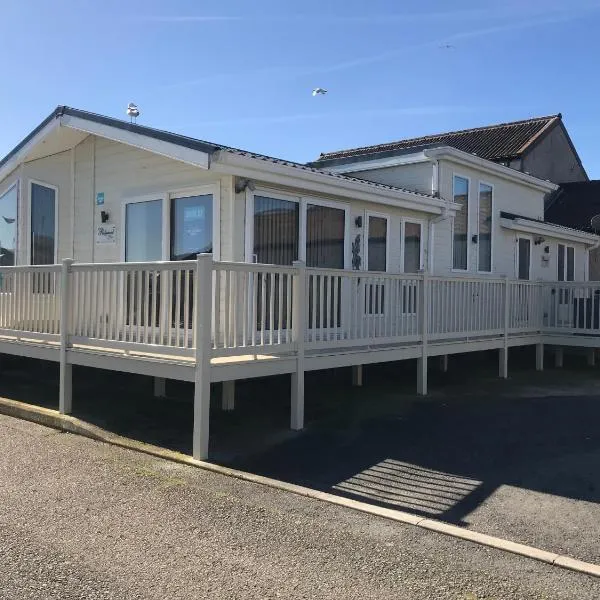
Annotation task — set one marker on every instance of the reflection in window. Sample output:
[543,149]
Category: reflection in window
[325,237]
[485,227]
[8,227]
[276,230]
[412,247]
[461,224]
[191,226]
[566,263]
[377,244]
[143,231]
[43,221]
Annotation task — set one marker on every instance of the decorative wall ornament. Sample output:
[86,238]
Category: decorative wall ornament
[356,259]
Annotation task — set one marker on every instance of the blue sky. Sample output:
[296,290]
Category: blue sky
[241,72]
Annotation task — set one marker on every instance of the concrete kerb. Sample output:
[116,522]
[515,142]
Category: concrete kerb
[70,424]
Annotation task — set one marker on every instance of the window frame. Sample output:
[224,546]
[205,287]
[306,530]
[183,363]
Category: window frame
[16,184]
[565,262]
[302,201]
[31,183]
[167,197]
[368,215]
[421,224]
[456,174]
[492,226]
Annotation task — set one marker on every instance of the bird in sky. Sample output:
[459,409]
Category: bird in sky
[319,91]
[447,46]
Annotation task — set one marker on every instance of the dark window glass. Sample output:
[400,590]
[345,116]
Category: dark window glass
[276,230]
[412,247]
[191,226]
[43,221]
[561,262]
[325,228]
[524,257]
[377,249]
[143,231]
[485,227]
[8,227]
[570,263]
[461,223]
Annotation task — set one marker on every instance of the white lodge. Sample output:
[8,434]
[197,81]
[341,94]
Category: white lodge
[310,268]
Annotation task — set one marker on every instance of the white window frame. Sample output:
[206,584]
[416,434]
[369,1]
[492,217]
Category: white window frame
[302,201]
[565,267]
[492,226]
[16,184]
[166,197]
[421,224]
[469,193]
[56,217]
[523,237]
[387,218]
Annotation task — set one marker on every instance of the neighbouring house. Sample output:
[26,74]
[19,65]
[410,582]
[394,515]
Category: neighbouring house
[577,205]
[540,146]
[500,227]
[134,249]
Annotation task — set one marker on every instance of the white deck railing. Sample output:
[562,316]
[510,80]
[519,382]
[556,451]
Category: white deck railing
[255,309]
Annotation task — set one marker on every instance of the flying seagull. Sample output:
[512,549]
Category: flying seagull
[319,91]
[447,46]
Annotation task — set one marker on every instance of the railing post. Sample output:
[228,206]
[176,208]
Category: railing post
[203,293]
[65,399]
[299,325]
[503,366]
[424,310]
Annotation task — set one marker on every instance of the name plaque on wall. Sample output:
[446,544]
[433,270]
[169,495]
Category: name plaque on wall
[106,234]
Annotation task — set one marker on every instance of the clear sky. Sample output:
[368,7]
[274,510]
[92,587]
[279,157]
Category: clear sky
[241,72]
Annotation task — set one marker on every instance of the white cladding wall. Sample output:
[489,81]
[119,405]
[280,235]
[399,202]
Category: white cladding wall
[416,176]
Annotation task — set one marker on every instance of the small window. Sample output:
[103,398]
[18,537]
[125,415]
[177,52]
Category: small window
[484,237]
[43,224]
[377,244]
[566,263]
[461,224]
[8,227]
[412,247]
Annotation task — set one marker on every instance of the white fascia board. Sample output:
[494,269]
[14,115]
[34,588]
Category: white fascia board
[137,140]
[324,183]
[22,153]
[551,230]
[464,158]
[381,163]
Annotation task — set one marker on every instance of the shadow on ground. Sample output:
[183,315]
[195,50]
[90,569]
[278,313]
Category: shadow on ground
[442,456]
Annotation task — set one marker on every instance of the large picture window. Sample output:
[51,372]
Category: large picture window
[460,246]
[8,227]
[485,227]
[43,224]
[191,226]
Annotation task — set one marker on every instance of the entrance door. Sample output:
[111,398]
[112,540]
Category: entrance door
[524,259]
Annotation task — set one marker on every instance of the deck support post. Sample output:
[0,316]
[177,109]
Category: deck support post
[503,354]
[444,363]
[202,308]
[299,329]
[65,399]
[424,310]
[591,357]
[228,395]
[160,387]
[558,357]
[357,375]
[539,357]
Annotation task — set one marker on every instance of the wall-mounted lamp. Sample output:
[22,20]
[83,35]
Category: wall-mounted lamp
[538,239]
[474,238]
[358,222]
[104,216]
[547,249]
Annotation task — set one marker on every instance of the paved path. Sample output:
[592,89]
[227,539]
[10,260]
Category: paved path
[81,519]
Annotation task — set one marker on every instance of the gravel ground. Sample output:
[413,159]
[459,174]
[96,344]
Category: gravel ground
[81,519]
